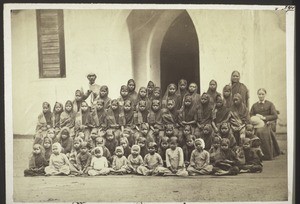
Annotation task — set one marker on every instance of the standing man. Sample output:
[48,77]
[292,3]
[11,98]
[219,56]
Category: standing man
[94,88]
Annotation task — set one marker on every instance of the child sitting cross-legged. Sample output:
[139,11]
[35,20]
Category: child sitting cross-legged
[253,157]
[66,141]
[58,163]
[225,160]
[188,148]
[134,159]
[142,142]
[164,145]
[199,163]
[73,155]
[125,145]
[100,141]
[37,162]
[99,164]
[83,159]
[175,159]
[111,142]
[207,134]
[120,162]
[225,132]
[47,144]
[153,164]
[215,148]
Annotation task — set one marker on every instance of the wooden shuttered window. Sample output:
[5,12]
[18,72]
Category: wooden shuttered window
[51,46]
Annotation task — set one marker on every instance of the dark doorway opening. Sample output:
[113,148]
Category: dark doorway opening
[179,54]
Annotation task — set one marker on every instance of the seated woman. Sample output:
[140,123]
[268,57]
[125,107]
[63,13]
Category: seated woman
[238,118]
[263,117]
[264,109]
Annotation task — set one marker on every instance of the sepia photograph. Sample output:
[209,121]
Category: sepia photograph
[149,103]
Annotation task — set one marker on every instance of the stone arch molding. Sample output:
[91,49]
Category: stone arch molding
[147,29]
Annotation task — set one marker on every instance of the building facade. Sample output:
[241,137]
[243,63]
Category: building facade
[158,45]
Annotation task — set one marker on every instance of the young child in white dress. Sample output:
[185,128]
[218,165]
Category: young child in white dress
[58,163]
[99,164]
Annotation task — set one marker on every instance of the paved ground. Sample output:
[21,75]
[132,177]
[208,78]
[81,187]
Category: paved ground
[270,185]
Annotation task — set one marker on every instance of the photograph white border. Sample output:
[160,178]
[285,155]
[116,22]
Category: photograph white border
[290,70]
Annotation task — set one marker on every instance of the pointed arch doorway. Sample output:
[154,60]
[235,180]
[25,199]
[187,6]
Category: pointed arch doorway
[179,54]
[164,47]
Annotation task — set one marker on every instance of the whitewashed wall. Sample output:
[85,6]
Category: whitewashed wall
[94,41]
[252,42]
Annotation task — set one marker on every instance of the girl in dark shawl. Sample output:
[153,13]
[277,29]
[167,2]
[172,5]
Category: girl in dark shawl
[142,96]
[45,120]
[207,135]
[187,115]
[225,132]
[181,91]
[57,110]
[67,118]
[84,121]
[141,114]
[170,115]
[193,92]
[115,118]
[150,87]
[103,95]
[100,117]
[171,94]
[157,94]
[66,141]
[123,95]
[188,112]
[79,97]
[155,120]
[238,118]
[140,117]
[238,87]
[220,113]
[132,94]
[204,114]
[212,91]
[227,96]
[128,114]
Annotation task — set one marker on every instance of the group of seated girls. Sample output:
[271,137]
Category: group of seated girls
[182,133]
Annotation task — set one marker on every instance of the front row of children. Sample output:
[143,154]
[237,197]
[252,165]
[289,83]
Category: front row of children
[167,159]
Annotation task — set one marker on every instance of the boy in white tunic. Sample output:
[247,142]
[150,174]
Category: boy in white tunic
[99,164]
[199,163]
[175,159]
[153,163]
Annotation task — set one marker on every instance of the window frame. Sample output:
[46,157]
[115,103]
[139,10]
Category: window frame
[61,41]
